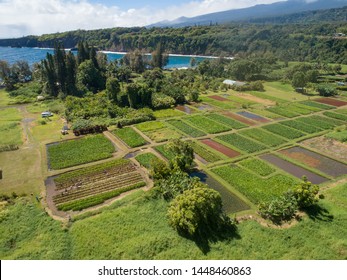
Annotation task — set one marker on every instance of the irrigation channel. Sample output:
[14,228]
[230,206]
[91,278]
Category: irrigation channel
[231,202]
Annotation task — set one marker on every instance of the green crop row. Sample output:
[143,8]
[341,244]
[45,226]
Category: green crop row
[78,205]
[187,129]
[254,187]
[301,108]
[130,137]
[148,126]
[226,121]
[284,131]
[242,143]
[165,152]
[204,152]
[263,136]
[301,126]
[75,152]
[145,159]
[317,105]
[90,170]
[258,166]
[283,112]
[336,116]
[206,124]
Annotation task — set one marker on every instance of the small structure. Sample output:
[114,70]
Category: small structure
[233,83]
[40,98]
[46,114]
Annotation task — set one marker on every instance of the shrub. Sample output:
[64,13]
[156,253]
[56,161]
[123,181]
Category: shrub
[306,194]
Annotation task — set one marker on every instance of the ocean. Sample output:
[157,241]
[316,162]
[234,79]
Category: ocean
[32,55]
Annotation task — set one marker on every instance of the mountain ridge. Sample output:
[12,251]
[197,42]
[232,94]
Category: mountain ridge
[254,12]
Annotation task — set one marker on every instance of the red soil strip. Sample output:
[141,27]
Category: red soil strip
[331,101]
[219,98]
[310,161]
[221,148]
[239,118]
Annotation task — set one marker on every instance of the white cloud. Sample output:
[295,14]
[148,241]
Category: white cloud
[24,17]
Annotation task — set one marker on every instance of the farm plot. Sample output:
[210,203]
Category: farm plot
[340,136]
[226,121]
[336,116]
[254,187]
[331,101]
[186,128]
[317,105]
[84,188]
[218,98]
[284,131]
[130,137]
[206,124]
[186,109]
[242,143]
[239,118]
[315,122]
[283,112]
[75,152]
[221,148]
[148,126]
[205,153]
[145,159]
[293,169]
[317,161]
[301,108]
[265,113]
[163,150]
[163,134]
[220,104]
[263,136]
[302,126]
[253,117]
[258,166]
[167,113]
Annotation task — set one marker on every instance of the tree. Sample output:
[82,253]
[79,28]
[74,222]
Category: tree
[89,78]
[183,154]
[194,95]
[135,60]
[306,194]
[21,70]
[112,89]
[312,76]
[196,211]
[159,59]
[159,169]
[326,90]
[299,80]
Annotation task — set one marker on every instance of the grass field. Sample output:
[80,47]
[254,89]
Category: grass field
[4,98]
[75,152]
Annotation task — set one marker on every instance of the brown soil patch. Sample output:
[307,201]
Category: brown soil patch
[221,148]
[310,161]
[328,146]
[239,118]
[331,101]
[219,98]
[185,109]
[251,97]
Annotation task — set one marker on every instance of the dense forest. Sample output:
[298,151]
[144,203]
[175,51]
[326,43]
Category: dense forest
[304,38]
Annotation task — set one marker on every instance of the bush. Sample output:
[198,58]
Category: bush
[306,194]
[280,209]
[326,90]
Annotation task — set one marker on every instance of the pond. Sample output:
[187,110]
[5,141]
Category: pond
[231,202]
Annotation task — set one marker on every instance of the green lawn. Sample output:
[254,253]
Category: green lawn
[83,150]
[119,232]
[10,114]
[283,91]
[4,98]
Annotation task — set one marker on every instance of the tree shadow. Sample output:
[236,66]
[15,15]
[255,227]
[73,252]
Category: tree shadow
[204,238]
[317,212]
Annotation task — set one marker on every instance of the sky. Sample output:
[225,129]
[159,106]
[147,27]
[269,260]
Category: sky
[36,17]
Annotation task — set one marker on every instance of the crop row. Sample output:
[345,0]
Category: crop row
[187,129]
[301,126]
[75,152]
[317,105]
[264,137]
[254,187]
[165,152]
[88,173]
[145,159]
[226,121]
[258,166]
[204,152]
[130,137]
[301,108]
[283,112]
[242,143]
[284,131]
[97,187]
[336,116]
[81,204]
[206,124]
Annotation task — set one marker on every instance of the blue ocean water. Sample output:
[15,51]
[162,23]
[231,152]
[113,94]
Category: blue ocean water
[32,55]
